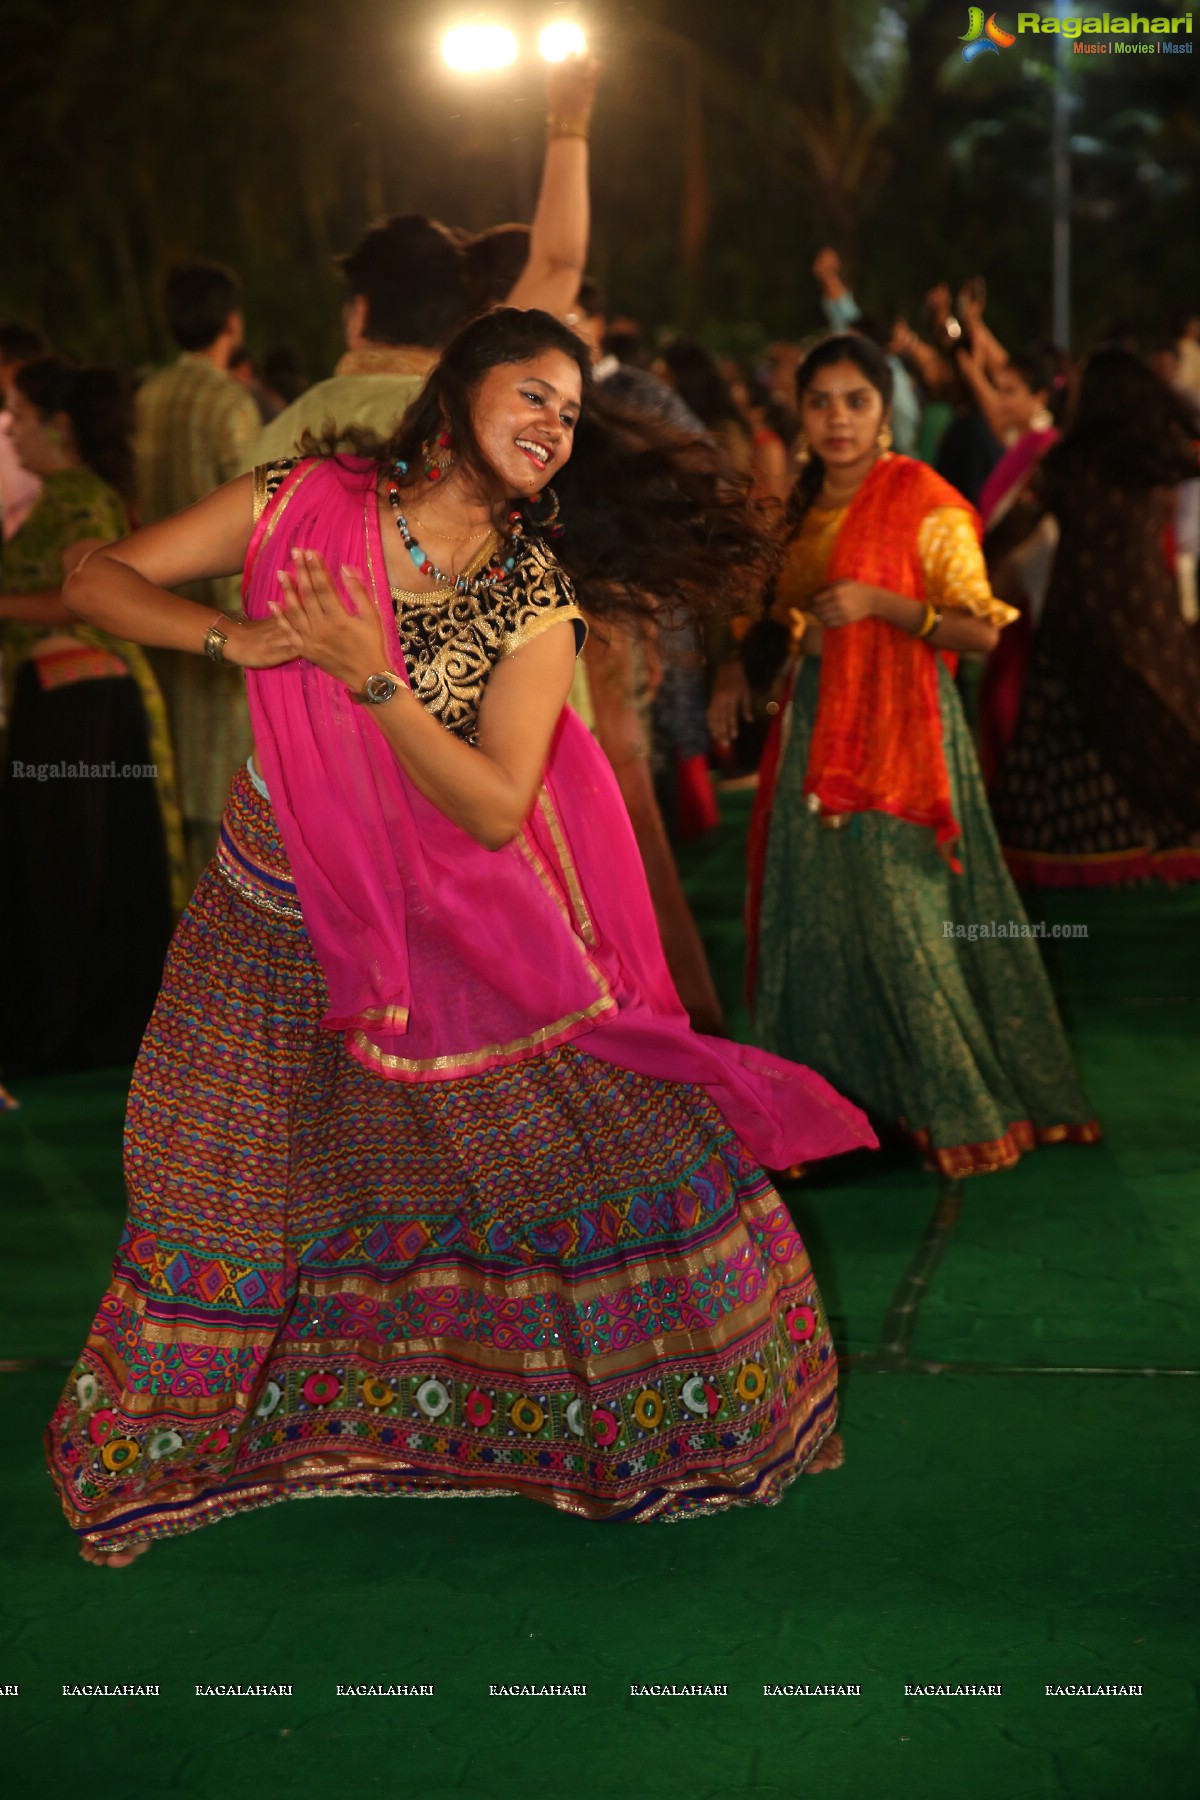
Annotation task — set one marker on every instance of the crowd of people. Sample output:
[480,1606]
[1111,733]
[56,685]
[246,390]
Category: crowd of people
[443,1175]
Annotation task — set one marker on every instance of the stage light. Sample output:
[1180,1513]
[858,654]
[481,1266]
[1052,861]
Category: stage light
[561,40]
[472,48]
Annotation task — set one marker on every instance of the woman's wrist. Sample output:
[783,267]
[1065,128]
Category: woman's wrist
[931,618]
[222,632]
[899,610]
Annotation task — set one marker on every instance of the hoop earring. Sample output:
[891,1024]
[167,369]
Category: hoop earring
[884,440]
[435,466]
[550,522]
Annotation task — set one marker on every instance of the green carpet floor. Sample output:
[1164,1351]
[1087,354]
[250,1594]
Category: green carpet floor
[1017,1507]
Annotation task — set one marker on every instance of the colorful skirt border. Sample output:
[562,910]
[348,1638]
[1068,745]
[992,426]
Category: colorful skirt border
[958,1160]
[1107,869]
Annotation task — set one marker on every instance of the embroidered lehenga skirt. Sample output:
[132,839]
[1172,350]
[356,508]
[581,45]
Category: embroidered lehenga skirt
[915,990]
[558,1279]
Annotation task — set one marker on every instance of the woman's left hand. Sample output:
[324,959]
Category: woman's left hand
[843,603]
[347,645]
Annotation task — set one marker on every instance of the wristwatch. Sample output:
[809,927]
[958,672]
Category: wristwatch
[377,688]
[216,637]
[215,641]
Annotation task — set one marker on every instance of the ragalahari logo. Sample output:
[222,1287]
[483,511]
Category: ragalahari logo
[982,39]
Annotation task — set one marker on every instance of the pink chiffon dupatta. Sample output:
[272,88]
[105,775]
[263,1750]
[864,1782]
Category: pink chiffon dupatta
[441,958]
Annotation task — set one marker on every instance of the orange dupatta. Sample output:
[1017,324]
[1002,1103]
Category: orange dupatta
[877,740]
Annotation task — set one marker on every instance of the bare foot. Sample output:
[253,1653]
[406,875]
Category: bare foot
[112,1559]
[831,1455]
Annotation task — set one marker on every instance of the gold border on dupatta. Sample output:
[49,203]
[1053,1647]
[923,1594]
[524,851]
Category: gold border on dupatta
[466,1062]
[579,905]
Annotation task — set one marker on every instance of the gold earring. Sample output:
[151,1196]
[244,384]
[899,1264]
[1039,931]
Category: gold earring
[803,451]
[884,440]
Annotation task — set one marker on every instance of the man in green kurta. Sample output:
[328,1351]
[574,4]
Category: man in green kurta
[195,424]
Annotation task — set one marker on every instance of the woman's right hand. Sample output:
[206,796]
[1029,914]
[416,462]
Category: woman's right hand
[731,704]
[256,643]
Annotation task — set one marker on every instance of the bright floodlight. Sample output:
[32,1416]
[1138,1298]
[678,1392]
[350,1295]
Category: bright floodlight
[559,41]
[469,48]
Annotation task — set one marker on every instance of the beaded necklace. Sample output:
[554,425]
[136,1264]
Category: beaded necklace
[498,569]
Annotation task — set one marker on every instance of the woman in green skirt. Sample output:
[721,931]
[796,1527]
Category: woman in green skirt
[888,946]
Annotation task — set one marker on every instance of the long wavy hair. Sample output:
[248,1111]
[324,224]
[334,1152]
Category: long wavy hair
[1128,425]
[648,515]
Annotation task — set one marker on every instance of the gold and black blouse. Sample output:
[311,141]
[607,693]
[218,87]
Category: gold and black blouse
[453,641]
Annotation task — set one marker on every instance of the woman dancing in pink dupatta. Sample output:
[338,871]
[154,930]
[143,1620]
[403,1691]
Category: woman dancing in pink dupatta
[432,1187]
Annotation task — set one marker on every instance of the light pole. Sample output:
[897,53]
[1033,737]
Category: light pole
[1060,186]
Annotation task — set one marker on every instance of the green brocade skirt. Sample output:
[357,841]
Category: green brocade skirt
[913,989]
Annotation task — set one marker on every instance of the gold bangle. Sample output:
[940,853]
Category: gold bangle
[557,127]
[930,622]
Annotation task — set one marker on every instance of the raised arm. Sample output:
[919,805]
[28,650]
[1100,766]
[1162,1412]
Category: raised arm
[988,349]
[980,383]
[558,242]
[125,587]
[838,303]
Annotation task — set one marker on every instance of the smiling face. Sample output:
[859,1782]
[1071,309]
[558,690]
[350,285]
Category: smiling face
[524,415]
[842,413]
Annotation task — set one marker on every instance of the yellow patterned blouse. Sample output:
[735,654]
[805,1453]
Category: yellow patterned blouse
[951,561]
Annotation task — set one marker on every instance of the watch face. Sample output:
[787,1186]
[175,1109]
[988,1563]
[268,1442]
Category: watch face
[378,688]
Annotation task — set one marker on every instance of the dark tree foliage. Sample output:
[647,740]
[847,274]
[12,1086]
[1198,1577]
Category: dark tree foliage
[730,142]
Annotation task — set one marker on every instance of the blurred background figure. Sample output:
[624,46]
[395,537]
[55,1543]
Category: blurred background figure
[19,487]
[1099,783]
[195,424]
[694,373]
[284,376]
[871,831]
[644,698]
[89,826]
[1184,549]
[1185,331]
[843,313]
[405,294]
[1017,403]
[243,369]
